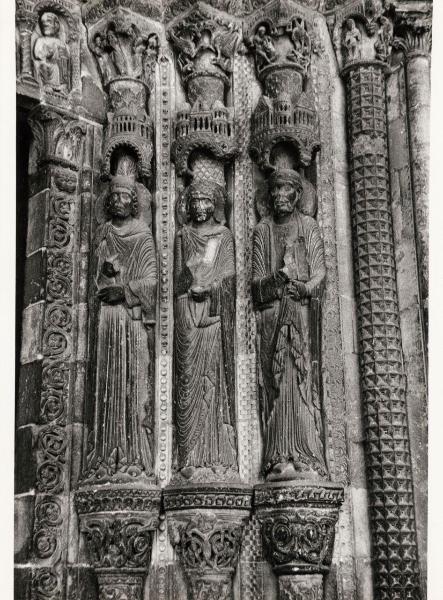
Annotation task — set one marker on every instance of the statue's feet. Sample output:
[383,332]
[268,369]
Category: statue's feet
[287,471]
[282,472]
[187,472]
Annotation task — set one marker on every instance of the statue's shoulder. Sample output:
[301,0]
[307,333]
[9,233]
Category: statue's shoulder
[263,226]
[308,222]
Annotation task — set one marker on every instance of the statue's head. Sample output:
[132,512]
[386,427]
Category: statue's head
[98,40]
[49,24]
[203,197]
[285,189]
[121,201]
[261,31]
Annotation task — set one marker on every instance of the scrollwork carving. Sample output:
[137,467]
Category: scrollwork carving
[306,537]
[118,543]
[208,548]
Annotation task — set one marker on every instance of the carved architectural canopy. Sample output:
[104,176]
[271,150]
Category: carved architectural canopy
[222,288]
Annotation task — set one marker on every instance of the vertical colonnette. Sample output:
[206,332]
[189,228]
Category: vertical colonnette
[118,501]
[297,506]
[396,572]
[206,503]
[413,36]
[48,49]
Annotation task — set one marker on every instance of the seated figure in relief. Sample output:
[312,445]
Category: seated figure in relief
[51,55]
[204,337]
[126,288]
[288,278]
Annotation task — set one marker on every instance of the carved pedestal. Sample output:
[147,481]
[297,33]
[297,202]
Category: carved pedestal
[117,525]
[206,524]
[298,529]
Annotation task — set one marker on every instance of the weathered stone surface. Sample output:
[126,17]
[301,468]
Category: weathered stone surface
[225,286]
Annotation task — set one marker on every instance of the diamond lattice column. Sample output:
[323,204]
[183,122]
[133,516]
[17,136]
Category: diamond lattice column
[381,361]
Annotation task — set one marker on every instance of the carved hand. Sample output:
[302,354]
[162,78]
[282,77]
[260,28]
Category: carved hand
[112,294]
[199,294]
[297,290]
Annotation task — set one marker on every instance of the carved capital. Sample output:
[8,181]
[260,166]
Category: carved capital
[117,526]
[206,528]
[298,526]
[58,138]
[281,37]
[208,547]
[413,33]
[124,45]
[205,42]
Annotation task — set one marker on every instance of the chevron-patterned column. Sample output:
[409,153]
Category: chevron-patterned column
[396,572]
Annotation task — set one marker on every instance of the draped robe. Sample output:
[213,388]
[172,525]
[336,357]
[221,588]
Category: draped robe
[288,341]
[124,394]
[204,348]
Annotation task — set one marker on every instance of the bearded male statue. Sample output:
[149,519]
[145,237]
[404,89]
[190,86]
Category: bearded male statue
[288,278]
[126,289]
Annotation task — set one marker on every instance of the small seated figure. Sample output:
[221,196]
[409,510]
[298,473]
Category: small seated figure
[265,52]
[51,55]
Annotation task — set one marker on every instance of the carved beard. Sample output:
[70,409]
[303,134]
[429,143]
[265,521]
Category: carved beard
[283,204]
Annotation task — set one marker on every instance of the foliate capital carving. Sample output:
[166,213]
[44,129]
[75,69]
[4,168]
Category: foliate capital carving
[118,525]
[299,542]
[298,525]
[124,47]
[413,32]
[206,527]
[205,42]
[208,547]
[119,542]
[58,138]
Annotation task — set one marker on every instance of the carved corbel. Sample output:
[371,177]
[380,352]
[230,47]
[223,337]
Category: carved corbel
[298,530]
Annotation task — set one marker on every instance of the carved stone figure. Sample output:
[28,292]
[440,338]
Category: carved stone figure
[351,41]
[288,277]
[204,342]
[100,49]
[117,53]
[265,52]
[384,40]
[51,55]
[126,282]
[301,53]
